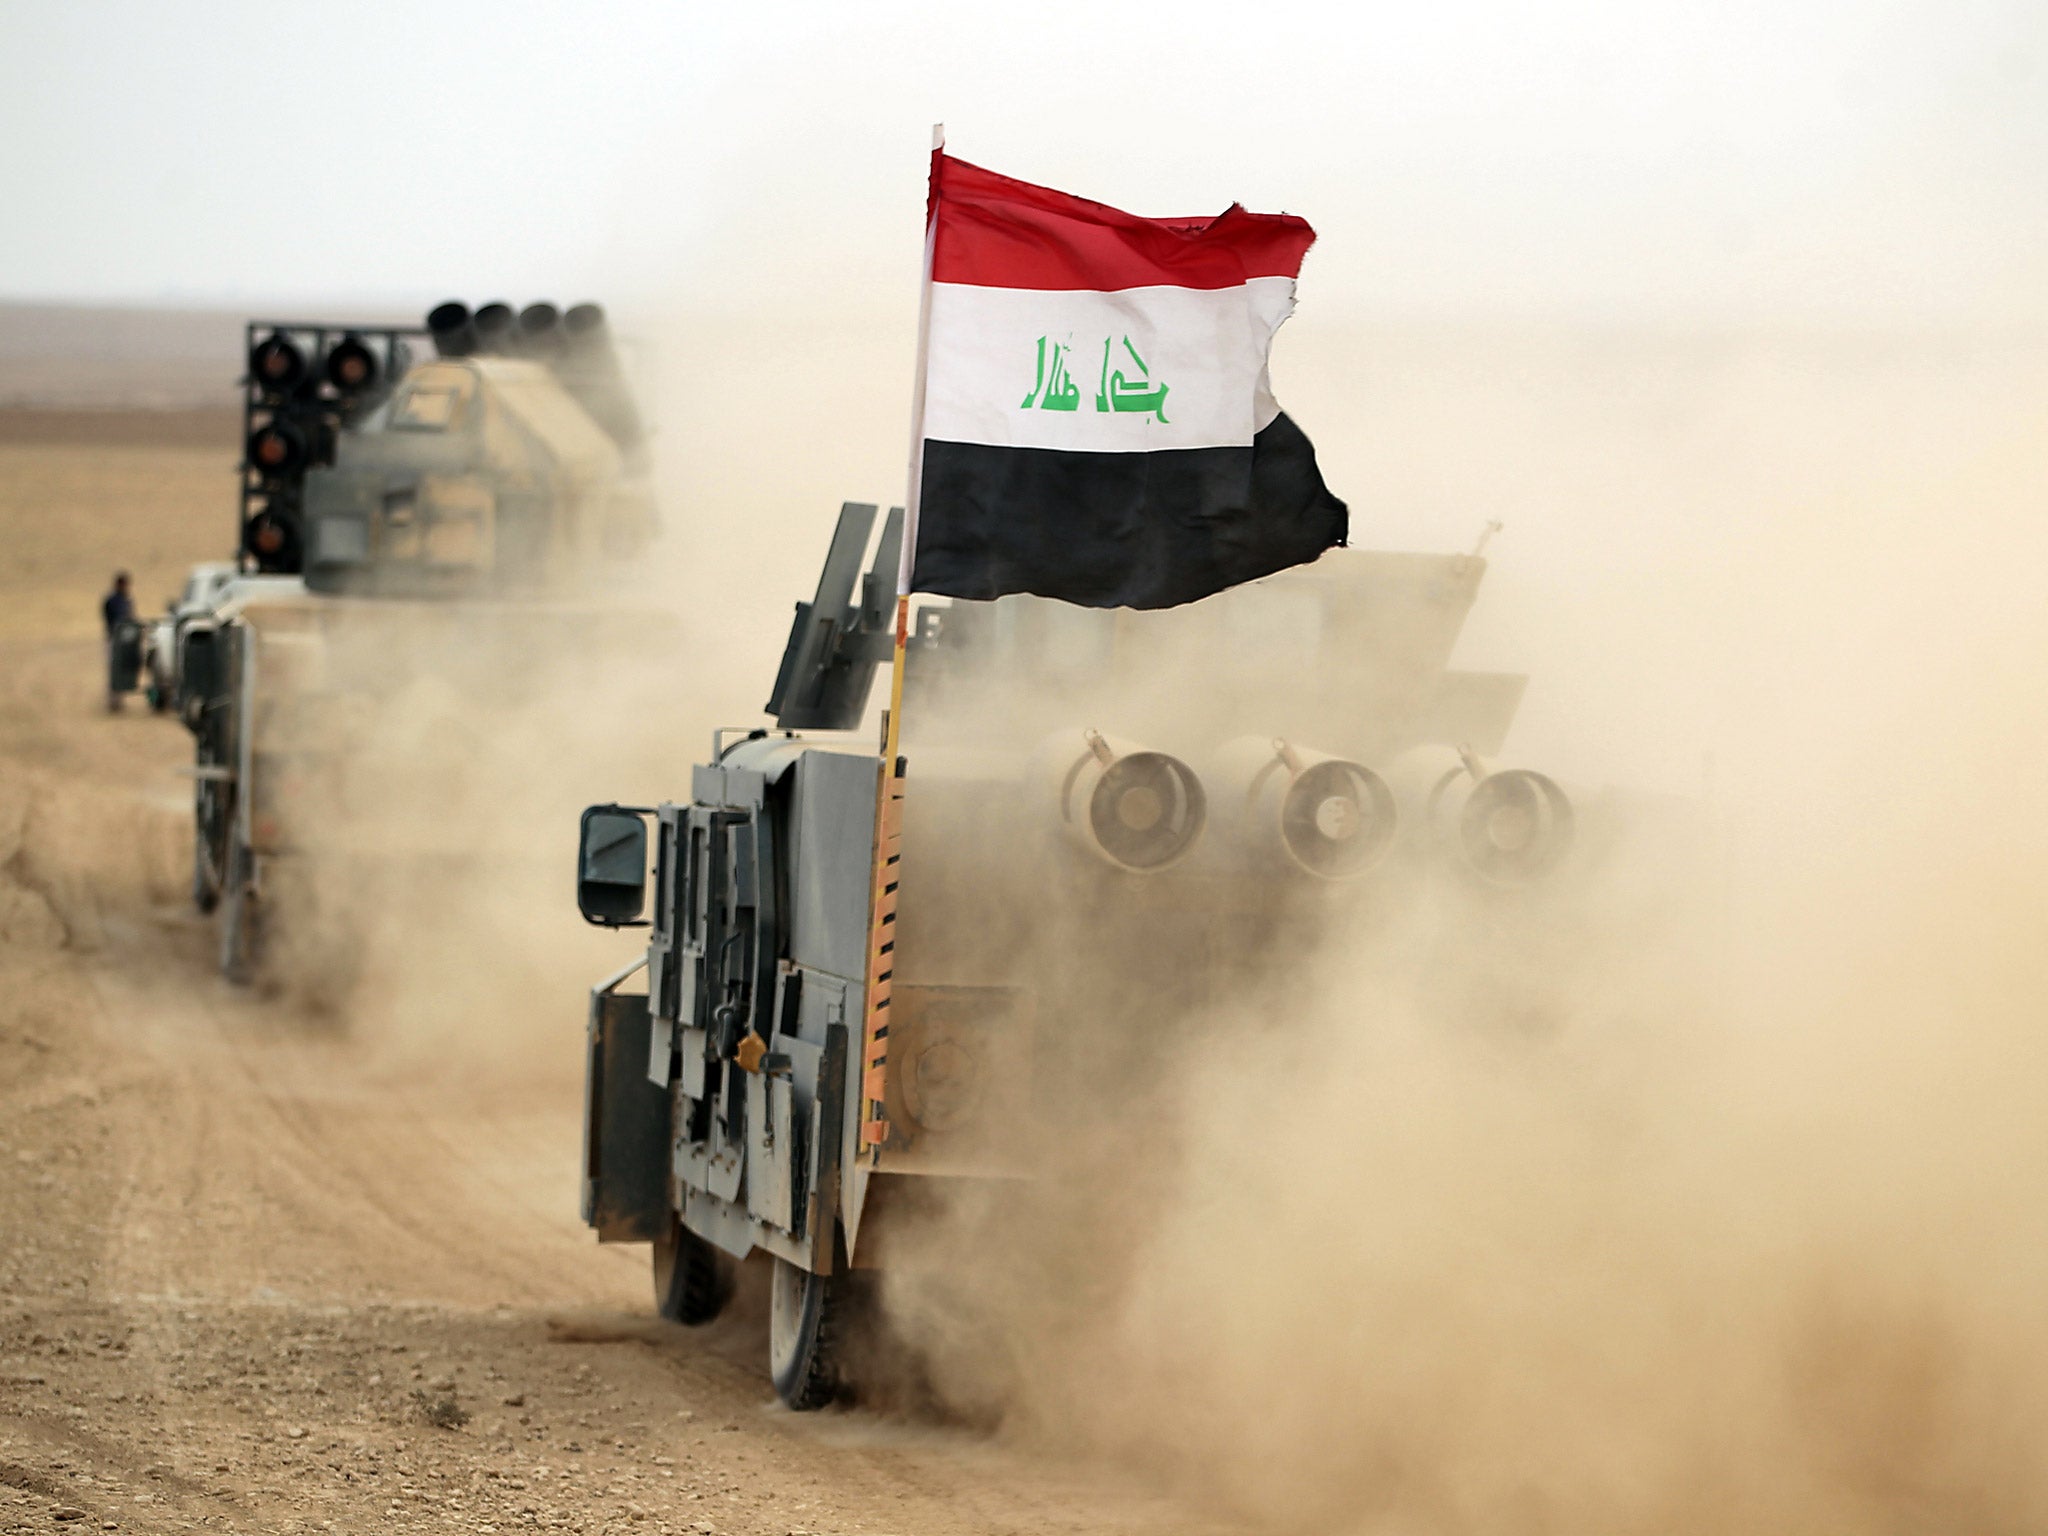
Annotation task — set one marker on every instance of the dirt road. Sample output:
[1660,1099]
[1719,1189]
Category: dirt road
[256,1274]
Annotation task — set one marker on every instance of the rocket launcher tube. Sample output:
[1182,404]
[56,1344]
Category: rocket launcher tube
[1325,816]
[351,366]
[496,329]
[1512,825]
[540,330]
[452,328]
[1132,807]
[278,447]
[588,367]
[277,364]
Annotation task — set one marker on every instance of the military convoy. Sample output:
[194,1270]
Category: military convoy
[866,969]
[459,473]
[862,974]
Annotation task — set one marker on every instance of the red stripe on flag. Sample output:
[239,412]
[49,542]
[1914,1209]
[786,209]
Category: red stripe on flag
[997,232]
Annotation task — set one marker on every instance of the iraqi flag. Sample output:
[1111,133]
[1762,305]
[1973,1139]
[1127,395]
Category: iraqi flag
[1097,424]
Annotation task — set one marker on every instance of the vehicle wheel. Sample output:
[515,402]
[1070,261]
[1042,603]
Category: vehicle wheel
[205,894]
[213,819]
[205,878]
[693,1278]
[807,1326]
[240,922]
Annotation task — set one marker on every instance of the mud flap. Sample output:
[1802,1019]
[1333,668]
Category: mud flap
[625,1125]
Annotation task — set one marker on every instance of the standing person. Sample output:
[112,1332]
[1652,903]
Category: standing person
[117,615]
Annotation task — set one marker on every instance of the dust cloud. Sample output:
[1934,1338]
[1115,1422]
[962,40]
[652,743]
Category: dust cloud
[425,903]
[1702,1189]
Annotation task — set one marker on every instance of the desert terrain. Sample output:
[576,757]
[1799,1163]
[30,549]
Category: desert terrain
[1711,1203]
[259,1270]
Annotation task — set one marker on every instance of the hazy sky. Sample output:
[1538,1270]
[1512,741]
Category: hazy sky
[1585,157]
[743,185]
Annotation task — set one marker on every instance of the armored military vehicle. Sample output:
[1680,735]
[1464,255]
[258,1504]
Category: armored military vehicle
[862,974]
[406,494]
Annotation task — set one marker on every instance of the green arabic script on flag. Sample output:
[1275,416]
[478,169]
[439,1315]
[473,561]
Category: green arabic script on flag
[1054,389]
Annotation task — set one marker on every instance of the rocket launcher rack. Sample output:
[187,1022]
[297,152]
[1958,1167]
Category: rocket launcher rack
[306,380]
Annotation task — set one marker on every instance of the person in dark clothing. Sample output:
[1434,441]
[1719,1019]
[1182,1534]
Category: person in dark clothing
[117,616]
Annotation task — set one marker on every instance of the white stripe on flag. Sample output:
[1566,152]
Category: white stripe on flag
[1134,370]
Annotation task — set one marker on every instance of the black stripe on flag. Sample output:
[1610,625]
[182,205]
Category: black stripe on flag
[1120,530]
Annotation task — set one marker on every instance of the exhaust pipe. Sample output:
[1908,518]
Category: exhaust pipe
[1325,816]
[1512,825]
[1131,807]
[452,328]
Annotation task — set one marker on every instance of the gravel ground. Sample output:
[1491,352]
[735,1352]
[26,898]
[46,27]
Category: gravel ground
[259,1275]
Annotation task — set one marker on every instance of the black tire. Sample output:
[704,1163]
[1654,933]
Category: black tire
[205,888]
[693,1278]
[240,921]
[809,1318]
[213,824]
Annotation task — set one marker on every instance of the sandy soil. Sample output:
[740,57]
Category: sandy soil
[252,1277]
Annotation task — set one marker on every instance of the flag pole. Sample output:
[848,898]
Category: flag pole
[874,1120]
[907,559]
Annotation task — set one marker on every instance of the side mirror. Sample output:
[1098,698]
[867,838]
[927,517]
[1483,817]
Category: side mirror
[611,866]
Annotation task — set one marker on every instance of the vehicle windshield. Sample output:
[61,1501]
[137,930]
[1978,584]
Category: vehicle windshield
[432,399]
[428,408]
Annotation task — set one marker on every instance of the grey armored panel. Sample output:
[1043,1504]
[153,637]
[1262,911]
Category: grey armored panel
[341,505]
[808,653]
[730,785]
[834,646]
[831,861]
[771,1135]
[625,1125]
